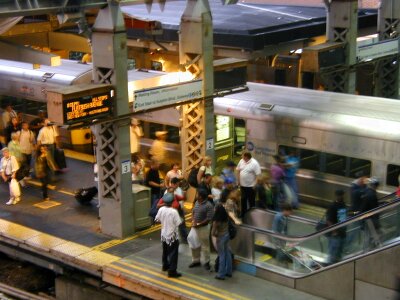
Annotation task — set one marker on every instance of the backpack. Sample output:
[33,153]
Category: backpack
[192,178]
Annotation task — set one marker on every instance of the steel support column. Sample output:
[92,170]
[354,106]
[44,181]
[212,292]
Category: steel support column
[109,66]
[387,77]
[196,55]
[342,23]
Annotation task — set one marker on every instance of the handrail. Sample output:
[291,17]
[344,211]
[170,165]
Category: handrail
[292,217]
[333,227]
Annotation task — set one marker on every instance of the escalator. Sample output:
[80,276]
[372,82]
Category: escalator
[304,253]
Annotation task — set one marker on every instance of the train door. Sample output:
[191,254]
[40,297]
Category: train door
[230,139]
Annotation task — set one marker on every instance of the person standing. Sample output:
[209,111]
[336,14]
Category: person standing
[136,133]
[9,167]
[206,168]
[336,213]
[248,169]
[280,225]
[8,114]
[48,136]
[173,173]
[202,215]
[358,188]
[27,143]
[153,181]
[170,221]
[220,232]
[44,165]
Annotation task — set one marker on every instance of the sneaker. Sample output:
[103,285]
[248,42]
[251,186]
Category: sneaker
[174,275]
[194,264]
[219,278]
[10,202]
[207,266]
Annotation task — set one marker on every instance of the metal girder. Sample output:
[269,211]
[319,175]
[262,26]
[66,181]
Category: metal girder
[25,54]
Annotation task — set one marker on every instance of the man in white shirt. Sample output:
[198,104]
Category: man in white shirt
[8,168]
[48,136]
[248,169]
[170,221]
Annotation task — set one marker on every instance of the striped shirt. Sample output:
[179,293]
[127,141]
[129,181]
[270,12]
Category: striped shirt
[203,211]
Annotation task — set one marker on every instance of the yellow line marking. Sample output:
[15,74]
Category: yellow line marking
[265,257]
[114,243]
[182,282]
[196,282]
[160,283]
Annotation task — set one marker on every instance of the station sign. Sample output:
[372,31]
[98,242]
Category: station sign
[167,95]
[372,51]
[75,104]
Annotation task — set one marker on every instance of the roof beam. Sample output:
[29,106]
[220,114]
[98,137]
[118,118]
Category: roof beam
[24,54]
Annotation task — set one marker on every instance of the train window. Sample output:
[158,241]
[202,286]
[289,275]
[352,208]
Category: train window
[359,167]
[239,127]
[392,175]
[173,134]
[335,164]
[153,127]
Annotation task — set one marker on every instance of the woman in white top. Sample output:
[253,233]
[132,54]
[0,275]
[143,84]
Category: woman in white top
[26,142]
[173,173]
[206,168]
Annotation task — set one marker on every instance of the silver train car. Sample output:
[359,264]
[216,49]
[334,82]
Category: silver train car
[338,137]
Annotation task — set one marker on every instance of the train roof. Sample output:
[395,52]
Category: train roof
[64,74]
[359,115]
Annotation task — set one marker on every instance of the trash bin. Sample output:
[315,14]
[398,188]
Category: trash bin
[142,204]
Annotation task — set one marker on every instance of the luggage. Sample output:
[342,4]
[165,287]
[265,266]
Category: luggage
[59,158]
[85,195]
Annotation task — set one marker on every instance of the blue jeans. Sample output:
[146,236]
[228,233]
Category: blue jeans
[292,183]
[225,256]
[335,249]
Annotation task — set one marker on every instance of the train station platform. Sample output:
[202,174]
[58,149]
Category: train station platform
[64,233]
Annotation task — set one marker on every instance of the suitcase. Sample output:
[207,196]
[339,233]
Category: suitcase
[59,158]
[85,195]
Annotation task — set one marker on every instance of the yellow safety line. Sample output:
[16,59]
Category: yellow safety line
[193,281]
[167,285]
[114,243]
[187,284]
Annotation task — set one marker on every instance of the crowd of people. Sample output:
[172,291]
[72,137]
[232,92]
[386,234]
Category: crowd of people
[29,150]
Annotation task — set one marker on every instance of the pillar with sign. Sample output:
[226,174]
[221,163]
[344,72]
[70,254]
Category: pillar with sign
[113,149]
[196,56]
[387,77]
[342,23]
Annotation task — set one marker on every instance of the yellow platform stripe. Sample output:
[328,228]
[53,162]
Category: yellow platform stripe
[161,283]
[182,282]
[196,282]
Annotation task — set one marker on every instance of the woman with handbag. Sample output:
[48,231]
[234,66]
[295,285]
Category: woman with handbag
[220,226]
[43,166]
[9,167]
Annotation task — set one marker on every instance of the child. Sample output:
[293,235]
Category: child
[216,189]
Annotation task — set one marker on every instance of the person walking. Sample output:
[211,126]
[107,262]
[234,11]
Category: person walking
[9,167]
[248,169]
[202,215]
[206,168]
[48,136]
[170,221]
[292,164]
[220,232]
[27,143]
[44,165]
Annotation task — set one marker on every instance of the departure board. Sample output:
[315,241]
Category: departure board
[87,107]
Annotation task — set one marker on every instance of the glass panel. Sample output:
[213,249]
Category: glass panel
[153,127]
[239,126]
[173,134]
[336,164]
[392,175]
[359,168]
[309,159]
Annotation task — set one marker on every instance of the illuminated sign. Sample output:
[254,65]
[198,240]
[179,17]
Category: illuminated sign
[166,95]
[87,107]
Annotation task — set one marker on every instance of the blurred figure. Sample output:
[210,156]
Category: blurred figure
[48,136]
[206,168]
[37,123]
[277,177]
[229,172]
[248,169]
[292,164]
[336,213]
[227,189]
[153,181]
[231,205]
[12,127]
[206,186]
[280,225]
[8,114]
[175,172]
[216,189]
[158,149]
[44,166]
[136,132]
[9,167]
[263,192]
[357,189]
[137,169]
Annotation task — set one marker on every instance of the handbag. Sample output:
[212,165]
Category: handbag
[232,229]
[15,190]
